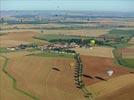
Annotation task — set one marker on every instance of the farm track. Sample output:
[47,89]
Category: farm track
[14,81]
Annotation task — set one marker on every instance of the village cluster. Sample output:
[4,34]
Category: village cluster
[51,46]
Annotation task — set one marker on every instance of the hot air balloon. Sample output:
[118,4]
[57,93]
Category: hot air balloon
[110,72]
[92,42]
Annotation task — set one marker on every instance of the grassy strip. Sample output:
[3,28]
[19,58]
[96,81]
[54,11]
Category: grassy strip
[15,81]
[54,54]
[3,50]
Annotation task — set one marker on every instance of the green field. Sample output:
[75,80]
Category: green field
[50,37]
[122,32]
[54,54]
[123,37]
[128,62]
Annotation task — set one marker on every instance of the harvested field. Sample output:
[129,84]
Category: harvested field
[41,80]
[118,88]
[97,67]
[86,32]
[16,38]
[28,26]
[7,92]
[82,32]
[96,51]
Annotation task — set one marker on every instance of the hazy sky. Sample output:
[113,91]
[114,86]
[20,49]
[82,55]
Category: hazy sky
[92,5]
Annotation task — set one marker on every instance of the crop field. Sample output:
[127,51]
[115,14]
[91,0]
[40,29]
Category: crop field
[70,34]
[82,32]
[96,51]
[122,32]
[128,57]
[118,23]
[78,32]
[117,88]
[16,38]
[28,26]
[37,78]
[51,37]
[95,67]
[7,90]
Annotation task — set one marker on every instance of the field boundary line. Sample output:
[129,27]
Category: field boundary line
[79,81]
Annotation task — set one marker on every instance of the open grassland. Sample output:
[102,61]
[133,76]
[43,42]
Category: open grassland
[118,88]
[35,75]
[17,38]
[96,51]
[95,67]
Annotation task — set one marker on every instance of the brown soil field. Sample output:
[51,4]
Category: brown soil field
[16,38]
[98,66]
[7,92]
[35,75]
[118,88]
[96,51]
